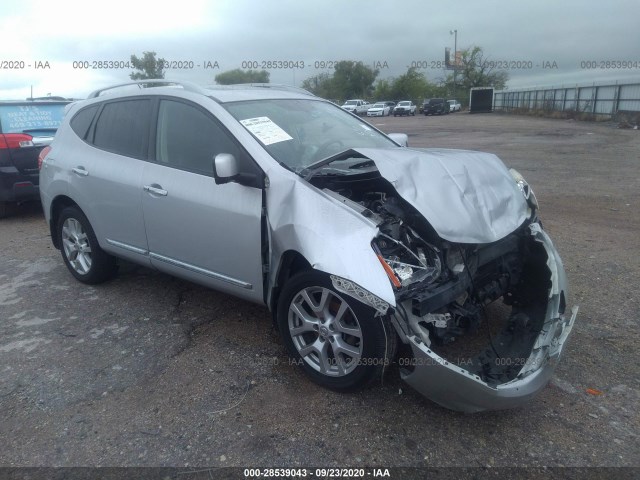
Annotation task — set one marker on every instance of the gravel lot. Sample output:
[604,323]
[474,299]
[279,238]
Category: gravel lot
[148,370]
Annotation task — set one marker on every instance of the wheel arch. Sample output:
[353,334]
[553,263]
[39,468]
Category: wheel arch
[291,262]
[57,206]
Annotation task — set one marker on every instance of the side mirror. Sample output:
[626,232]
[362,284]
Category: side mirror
[225,168]
[400,138]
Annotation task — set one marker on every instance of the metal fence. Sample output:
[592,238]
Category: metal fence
[593,99]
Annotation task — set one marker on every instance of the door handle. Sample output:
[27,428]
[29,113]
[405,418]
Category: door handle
[157,190]
[80,171]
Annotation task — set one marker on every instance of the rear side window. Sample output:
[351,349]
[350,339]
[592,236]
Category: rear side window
[123,128]
[81,122]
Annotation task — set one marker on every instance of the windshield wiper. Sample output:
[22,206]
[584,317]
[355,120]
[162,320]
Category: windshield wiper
[366,163]
[309,172]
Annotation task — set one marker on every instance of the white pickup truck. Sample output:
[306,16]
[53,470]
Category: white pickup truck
[359,107]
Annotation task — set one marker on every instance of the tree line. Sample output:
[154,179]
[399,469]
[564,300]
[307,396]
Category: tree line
[351,79]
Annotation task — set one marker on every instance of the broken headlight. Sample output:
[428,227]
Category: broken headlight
[404,265]
[526,190]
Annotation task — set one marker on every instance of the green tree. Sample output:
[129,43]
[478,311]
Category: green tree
[353,79]
[412,85]
[476,70]
[348,80]
[321,85]
[383,89]
[232,77]
[148,67]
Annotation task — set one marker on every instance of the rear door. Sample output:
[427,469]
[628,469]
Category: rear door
[105,172]
[207,233]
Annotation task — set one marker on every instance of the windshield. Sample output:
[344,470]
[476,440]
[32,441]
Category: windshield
[30,118]
[351,102]
[404,104]
[299,133]
[379,105]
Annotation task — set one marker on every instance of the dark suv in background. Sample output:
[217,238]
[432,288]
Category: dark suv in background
[26,127]
[435,106]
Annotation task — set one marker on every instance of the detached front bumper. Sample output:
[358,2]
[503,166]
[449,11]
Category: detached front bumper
[456,388]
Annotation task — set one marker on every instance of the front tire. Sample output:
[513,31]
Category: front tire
[338,341]
[80,249]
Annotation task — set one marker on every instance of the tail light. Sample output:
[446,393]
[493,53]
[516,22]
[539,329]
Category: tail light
[15,140]
[43,153]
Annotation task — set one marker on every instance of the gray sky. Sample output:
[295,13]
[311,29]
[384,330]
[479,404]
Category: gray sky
[393,33]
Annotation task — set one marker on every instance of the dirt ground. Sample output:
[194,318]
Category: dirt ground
[148,370]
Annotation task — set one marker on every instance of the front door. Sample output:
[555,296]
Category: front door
[208,233]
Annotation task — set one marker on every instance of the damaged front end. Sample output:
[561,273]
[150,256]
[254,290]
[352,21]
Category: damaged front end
[523,339]
[483,322]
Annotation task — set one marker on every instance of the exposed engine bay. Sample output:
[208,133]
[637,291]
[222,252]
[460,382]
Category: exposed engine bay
[443,289]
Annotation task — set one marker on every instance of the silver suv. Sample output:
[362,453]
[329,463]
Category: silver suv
[366,251]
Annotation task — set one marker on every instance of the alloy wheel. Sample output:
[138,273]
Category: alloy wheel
[76,246]
[325,331]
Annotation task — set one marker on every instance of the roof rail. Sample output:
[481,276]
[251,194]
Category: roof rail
[273,86]
[188,86]
[282,86]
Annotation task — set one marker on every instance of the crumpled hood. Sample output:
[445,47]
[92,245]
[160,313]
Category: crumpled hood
[466,196]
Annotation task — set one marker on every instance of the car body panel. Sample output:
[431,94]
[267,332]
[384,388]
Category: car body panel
[468,197]
[109,189]
[319,227]
[220,244]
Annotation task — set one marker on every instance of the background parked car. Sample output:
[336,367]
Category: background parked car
[454,106]
[357,106]
[435,106]
[379,109]
[406,107]
[25,128]
[391,106]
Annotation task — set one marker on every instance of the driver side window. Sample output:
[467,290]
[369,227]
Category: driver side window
[189,139]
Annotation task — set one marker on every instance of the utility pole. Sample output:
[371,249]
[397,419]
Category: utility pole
[455,60]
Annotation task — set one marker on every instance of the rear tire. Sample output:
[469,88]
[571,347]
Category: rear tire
[4,209]
[338,341]
[80,249]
